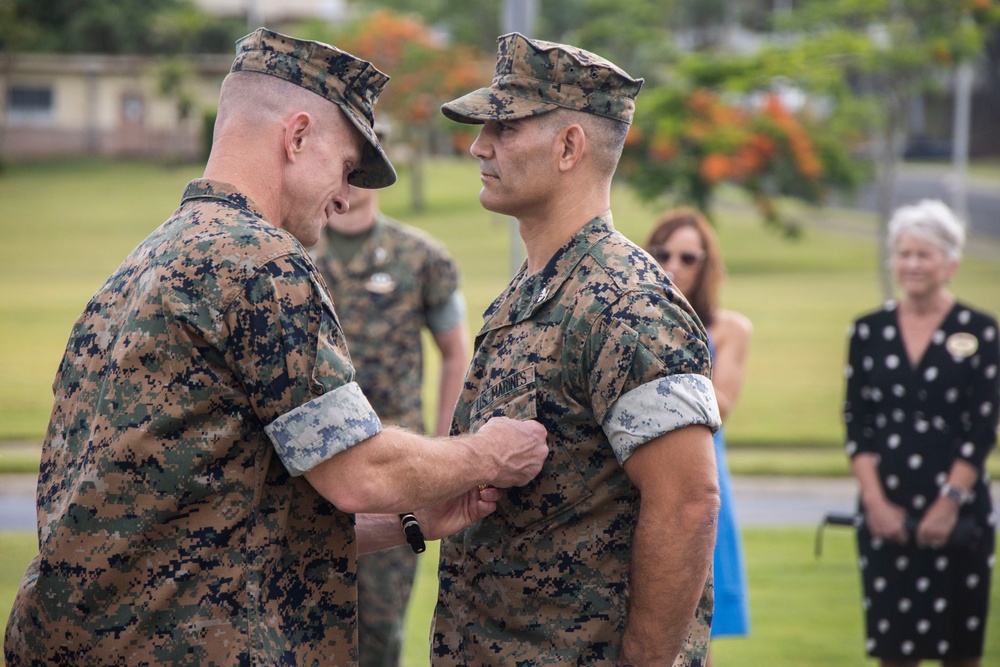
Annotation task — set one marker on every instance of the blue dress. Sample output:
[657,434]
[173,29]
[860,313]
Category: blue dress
[732,611]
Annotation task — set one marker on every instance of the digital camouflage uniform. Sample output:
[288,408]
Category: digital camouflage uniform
[399,282]
[607,355]
[201,380]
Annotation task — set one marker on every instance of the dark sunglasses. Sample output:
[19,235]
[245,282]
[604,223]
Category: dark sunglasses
[662,256]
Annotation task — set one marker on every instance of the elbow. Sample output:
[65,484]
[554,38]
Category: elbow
[703,505]
[351,500]
[355,495]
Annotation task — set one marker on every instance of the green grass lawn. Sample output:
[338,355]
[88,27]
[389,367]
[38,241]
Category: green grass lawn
[805,612]
[65,227]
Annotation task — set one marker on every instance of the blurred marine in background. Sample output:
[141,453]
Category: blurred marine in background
[389,282]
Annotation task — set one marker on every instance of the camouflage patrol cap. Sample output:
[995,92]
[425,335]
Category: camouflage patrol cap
[533,77]
[350,83]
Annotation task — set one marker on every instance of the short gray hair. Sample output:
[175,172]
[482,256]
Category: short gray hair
[931,220]
[606,135]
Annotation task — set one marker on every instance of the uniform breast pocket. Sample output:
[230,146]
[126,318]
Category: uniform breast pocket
[560,485]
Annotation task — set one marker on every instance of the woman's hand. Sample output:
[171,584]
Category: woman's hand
[887,521]
[936,526]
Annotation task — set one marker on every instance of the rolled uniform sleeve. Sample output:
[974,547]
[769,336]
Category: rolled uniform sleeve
[659,407]
[440,294]
[649,367]
[291,357]
[448,315]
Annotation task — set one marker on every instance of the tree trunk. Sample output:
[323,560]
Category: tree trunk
[418,157]
[886,198]
[888,173]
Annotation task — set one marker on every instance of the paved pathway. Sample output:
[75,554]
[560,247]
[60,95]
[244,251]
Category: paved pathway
[791,501]
[17,502]
[936,181]
[760,501]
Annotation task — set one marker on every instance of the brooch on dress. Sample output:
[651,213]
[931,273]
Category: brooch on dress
[961,345]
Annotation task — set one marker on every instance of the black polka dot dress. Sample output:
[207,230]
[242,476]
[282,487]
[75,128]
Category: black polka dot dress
[922,603]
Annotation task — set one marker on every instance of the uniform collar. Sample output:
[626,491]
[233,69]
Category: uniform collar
[526,294]
[373,253]
[203,188]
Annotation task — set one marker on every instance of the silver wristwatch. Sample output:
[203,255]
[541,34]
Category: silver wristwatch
[958,495]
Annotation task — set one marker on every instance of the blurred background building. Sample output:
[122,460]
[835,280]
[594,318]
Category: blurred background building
[135,86]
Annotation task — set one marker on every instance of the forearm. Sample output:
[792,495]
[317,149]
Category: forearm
[381,531]
[396,471]
[376,532]
[671,558]
[866,473]
[963,475]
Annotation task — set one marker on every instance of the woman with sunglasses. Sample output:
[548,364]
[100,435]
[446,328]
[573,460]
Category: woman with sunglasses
[684,245]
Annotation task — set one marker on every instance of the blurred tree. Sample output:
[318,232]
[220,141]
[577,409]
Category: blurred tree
[475,24]
[114,27]
[696,135]
[426,72]
[633,34]
[871,57]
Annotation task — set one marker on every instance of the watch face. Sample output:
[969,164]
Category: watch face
[959,496]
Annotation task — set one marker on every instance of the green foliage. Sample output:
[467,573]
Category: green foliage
[687,141]
[175,75]
[474,24]
[635,34]
[883,50]
[208,117]
[114,27]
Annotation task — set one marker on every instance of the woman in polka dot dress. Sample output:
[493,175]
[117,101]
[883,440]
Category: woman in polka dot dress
[921,417]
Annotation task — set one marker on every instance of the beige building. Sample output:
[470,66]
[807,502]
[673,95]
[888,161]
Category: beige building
[63,105]
[55,105]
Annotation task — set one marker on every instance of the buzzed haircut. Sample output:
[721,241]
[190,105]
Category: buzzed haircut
[606,136]
[260,98]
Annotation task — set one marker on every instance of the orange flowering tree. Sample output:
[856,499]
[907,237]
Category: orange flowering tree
[425,72]
[686,144]
[880,56]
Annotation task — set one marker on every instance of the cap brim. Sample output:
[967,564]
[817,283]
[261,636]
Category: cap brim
[375,170]
[486,104]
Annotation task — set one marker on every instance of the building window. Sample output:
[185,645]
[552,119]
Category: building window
[133,109]
[29,105]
